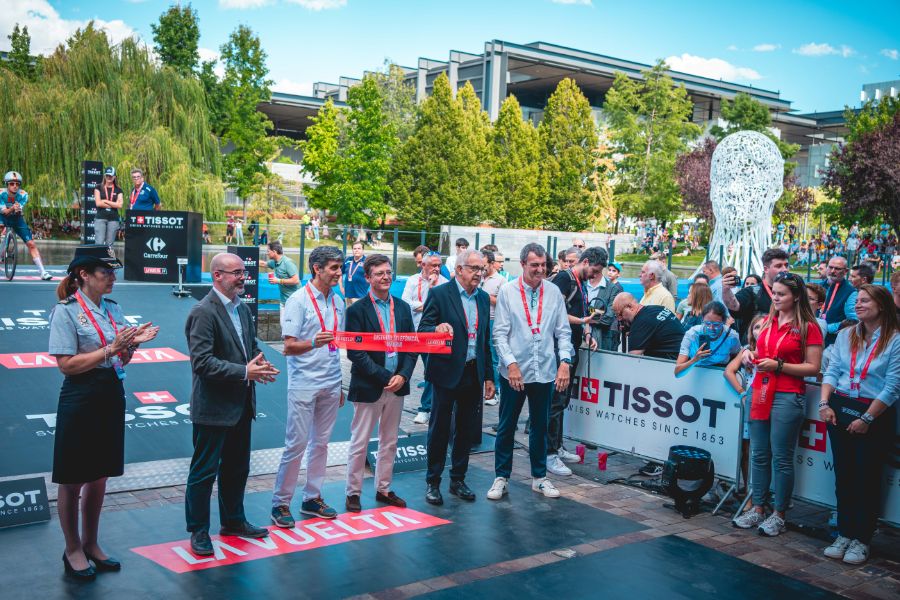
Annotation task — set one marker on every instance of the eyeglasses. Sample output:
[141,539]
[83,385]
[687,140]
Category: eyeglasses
[235,273]
[431,253]
[137,176]
[786,276]
[581,246]
[473,268]
[830,268]
[381,275]
[15,183]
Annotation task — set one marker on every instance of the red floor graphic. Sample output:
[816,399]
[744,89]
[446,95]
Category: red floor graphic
[306,535]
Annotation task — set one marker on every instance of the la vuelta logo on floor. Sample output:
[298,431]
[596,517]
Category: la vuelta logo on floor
[305,535]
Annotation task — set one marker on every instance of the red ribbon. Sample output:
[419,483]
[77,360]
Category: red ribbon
[422,343]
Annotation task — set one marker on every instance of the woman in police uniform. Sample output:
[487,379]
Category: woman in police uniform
[92,345]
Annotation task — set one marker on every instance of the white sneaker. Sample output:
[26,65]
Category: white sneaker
[749,520]
[568,456]
[556,466]
[838,548]
[46,276]
[421,418]
[857,553]
[492,401]
[544,487]
[772,526]
[499,489]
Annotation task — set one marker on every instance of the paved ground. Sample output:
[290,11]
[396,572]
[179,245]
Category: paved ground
[797,553]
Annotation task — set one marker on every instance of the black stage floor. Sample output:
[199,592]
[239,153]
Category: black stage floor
[663,568]
[157,388]
[379,551]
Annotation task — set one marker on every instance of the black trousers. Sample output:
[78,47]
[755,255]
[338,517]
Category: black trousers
[858,467]
[559,402]
[454,414]
[223,453]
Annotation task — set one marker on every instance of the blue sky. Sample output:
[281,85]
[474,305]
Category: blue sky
[817,54]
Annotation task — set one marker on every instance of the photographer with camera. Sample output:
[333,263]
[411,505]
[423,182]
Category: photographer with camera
[711,343]
[571,283]
[601,292]
[753,300]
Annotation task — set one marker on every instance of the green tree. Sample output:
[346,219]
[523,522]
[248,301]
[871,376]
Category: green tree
[874,115]
[91,102]
[177,37]
[650,125]
[19,60]
[246,85]
[567,137]
[320,156]
[364,162]
[399,100]
[515,147]
[215,96]
[270,198]
[434,177]
[745,113]
[476,150]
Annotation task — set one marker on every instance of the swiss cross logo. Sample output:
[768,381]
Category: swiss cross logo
[155,397]
[590,390]
[140,220]
[812,435]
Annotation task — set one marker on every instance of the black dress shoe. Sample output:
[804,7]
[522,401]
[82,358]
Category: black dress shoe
[390,498]
[108,564]
[433,495]
[88,574]
[353,504]
[460,489]
[244,529]
[201,545]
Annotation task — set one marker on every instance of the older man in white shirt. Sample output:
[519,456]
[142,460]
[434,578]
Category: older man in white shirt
[415,293]
[529,317]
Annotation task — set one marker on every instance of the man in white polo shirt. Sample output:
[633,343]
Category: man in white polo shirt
[311,317]
[415,293]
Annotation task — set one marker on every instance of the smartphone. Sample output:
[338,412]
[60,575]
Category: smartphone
[704,339]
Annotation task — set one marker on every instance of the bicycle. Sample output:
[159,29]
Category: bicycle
[9,247]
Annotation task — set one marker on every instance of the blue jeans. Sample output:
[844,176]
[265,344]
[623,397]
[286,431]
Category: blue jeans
[511,403]
[772,445]
[495,359]
[427,390]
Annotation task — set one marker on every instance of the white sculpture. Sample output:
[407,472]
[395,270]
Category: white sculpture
[746,179]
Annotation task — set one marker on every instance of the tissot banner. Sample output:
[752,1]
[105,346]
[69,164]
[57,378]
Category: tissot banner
[250,297]
[637,405]
[155,240]
[92,177]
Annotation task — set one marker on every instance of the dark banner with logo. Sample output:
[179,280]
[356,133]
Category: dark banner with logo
[250,256]
[155,240]
[92,171]
[23,501]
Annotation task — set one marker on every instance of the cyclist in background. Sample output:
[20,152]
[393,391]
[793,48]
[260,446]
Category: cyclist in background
[12,201]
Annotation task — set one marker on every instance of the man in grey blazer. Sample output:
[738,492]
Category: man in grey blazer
[226,364]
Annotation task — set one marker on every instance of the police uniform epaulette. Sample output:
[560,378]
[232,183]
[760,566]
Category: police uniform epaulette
[68,300]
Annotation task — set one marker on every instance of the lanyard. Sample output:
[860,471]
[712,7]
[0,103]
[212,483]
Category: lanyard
[865,369]
[466,317]
[134,194]
[420,287]
[774,354]
[352,271]
[824,310]
[318,312]
[536,327]
[378,313]
[90,316]
[767,288]
[109,192]
[584,303]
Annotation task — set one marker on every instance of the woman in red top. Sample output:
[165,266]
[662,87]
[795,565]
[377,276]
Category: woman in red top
[789,349]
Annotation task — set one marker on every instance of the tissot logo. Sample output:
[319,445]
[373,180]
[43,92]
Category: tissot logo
[154,397]
[590,390]
[813,435]
[138,220]
[156,244]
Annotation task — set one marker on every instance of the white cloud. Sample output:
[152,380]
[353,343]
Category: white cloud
[319,4]
[714,68]
[732,47]
[813,49]
[766,47]
[891,53]
[47,28]
[286,86]
[240,4]
[584,2]
[207,54]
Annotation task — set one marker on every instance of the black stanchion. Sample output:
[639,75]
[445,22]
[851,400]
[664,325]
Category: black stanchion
[612,250]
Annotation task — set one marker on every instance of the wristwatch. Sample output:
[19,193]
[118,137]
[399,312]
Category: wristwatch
[568,361]
[866,418]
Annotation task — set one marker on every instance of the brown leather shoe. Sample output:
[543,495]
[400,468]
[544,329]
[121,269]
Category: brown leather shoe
[353,504]
[390,498]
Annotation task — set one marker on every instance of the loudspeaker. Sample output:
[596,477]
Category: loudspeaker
[687,475]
